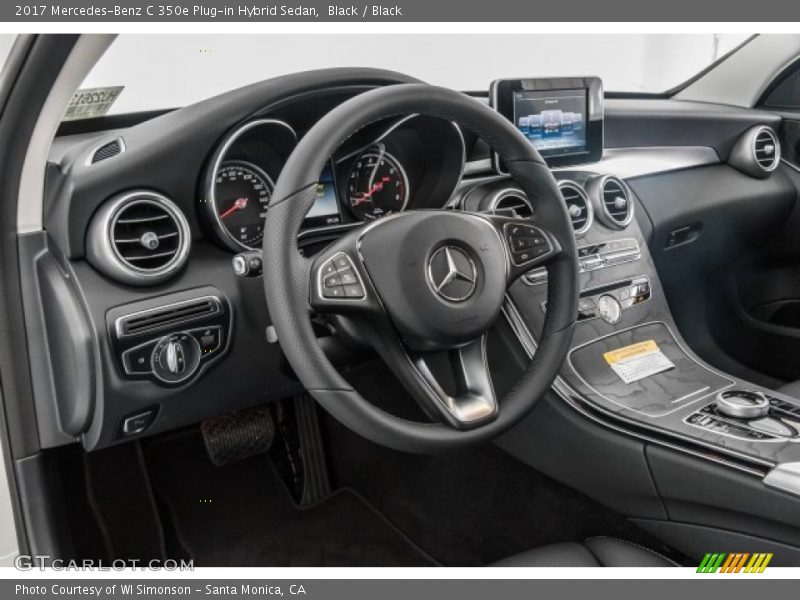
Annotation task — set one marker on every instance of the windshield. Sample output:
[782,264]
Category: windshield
[169,71]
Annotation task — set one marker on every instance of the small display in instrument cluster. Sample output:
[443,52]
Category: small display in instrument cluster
[326,206]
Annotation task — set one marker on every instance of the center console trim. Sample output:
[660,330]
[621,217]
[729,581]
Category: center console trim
[742,462]
[678,343]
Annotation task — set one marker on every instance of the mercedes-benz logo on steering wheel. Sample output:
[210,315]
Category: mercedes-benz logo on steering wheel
[452,274]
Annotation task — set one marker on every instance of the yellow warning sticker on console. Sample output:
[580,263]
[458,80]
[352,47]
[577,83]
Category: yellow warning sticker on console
[638,361]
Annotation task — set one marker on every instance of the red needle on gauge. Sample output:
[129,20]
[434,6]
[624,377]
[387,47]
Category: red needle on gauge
[375,188]
[238,204]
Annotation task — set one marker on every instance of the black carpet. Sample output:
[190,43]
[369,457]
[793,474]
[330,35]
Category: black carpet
[469,507]
[242,515]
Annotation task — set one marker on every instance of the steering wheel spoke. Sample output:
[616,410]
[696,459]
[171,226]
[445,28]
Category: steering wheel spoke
[452,386]
[472,402]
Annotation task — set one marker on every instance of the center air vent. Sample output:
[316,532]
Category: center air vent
[614,202]
[512,203]
[139,238]
[757,152]
[578,205]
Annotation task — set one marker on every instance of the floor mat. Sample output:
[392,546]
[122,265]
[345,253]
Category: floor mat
[469,507]
[242,515]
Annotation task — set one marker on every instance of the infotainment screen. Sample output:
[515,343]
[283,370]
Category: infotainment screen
[326,206]
[554,122]
[562,118]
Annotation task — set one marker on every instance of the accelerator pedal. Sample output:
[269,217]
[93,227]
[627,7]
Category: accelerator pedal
[316,486]
[239,435]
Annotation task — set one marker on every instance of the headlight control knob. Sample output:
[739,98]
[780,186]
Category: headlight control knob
[175,357]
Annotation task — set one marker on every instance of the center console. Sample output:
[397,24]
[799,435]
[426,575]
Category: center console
[629,367]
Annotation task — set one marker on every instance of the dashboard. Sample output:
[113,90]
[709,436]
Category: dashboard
[143,221]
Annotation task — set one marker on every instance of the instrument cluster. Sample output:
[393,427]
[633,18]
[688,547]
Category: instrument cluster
[411,163]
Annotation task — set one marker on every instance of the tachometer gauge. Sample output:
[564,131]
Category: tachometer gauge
[241,195]
[377,185]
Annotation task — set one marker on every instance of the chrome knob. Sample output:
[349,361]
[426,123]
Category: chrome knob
[742,404]
[609,308]
[175,357]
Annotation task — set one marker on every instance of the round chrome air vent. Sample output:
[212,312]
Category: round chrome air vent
[613,201]
[511,202]
[757,152]
[579,206]
[138,237]
[767,149]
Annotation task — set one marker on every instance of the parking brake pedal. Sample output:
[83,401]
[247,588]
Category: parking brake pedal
[237,436]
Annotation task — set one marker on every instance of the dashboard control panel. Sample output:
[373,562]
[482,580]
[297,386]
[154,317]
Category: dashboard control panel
[167,339]
[608,302]
[595,256]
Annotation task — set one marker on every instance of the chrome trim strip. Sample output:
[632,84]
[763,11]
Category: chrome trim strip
[628,163]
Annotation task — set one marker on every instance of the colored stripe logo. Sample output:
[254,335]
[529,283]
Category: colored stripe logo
[736,562]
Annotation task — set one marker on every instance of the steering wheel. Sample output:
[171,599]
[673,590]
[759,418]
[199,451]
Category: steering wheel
[420,283]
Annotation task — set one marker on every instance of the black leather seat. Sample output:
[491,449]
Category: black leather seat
[593,552]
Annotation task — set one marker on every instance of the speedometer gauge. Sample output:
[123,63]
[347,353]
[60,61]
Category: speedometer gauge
[377,185]
[241,195]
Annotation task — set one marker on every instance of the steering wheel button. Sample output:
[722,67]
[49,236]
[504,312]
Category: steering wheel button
[521,243]
[341,262]
[348,277]
[333,292]
[328,269]
[523,257]
[333,281]
[354,291]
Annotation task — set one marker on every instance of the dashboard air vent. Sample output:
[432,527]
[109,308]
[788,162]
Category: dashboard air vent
[512,203]
[578,205]
[168,316]
[615,200]
[766,149]
[108,150]
[139,238]
[757,152]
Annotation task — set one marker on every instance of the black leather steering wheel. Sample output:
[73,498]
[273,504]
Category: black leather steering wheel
[421,282]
